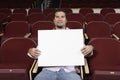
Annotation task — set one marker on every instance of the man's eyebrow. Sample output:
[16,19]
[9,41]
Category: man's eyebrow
[56,16]
[63,16]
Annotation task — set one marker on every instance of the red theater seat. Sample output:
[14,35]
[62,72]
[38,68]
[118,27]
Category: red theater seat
[40,25]
[14,61]
[105,62]
[16,29]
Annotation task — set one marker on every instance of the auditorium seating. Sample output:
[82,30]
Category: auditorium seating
[47,11]
[116,30]
[6,11]
[50,17]
[3,18]
[85,11]
[16,29]
[40,25]
[100,25]
[1,34]
[105,11]
[97,29]
[74,25]
[76,17]
[14,61]
[20,10]
[94,17]
[104,64]
[34,10]
[34,17]
[18,17]
[112,18]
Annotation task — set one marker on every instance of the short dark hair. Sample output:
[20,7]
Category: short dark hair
[59,10]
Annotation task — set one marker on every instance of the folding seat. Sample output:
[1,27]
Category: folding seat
[112,18]
[16,29]
[50,17]
[7,11]
[3,18]
[76,17]
[94,17]
[20,10]
[116,30]
[34,17]
[3,21]
[14,61]
[34,10]
[97,29]
[105,62]
[74,25]
[105,11]
[48,11]
[85,11]
[18,17]
[40,25]
[1,34]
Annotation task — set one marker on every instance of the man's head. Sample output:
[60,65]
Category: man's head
[60,19]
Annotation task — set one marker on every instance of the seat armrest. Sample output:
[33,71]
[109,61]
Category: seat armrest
[33,69]
[86,67]
[27,35]
[86,37]
[115,36]
[84,70]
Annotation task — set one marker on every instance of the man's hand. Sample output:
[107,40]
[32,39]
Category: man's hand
[34,52]
[87,49]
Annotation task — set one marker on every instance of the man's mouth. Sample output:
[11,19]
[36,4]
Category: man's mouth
[60,26]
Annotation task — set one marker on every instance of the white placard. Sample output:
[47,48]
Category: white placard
[60,47]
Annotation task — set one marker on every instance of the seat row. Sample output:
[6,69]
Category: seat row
[92,30]
[23,29]
[110,17]
[46,11]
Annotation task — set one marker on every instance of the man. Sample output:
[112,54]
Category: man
[58,72]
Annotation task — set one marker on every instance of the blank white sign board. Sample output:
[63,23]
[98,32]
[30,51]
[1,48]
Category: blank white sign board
[60,47]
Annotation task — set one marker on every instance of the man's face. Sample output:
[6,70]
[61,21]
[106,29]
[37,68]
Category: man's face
[60,19]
